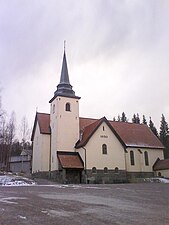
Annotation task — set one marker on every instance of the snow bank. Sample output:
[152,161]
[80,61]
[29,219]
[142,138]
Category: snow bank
[12,180]
[157,180]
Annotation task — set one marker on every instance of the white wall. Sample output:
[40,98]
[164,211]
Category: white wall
[95,158]
[139,159]
[41,148]
[64,126]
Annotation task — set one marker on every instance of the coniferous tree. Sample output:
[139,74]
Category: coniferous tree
[134,118]
[164,136]
[123,117]
[163,129]
[118,118]
[114,119]
[137,118]
[144,120]
[152,127]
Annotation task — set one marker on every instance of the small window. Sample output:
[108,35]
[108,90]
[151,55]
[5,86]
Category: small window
[53,108]
[104,149]
[103,128]
[94,170]
[146,158]
[67,108]
[132,158]
[159,174]
[116,170]
[105,170]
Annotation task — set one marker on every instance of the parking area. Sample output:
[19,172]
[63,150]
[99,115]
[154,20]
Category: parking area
[123,204]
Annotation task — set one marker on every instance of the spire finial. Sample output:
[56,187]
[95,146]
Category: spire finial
[64,45]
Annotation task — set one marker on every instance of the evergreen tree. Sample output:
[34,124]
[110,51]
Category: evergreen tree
[137,118]
[152,127]
[163,129]
[144,120]
[118,118]
[164,136]
[114,119]
[134,118]
[123,117]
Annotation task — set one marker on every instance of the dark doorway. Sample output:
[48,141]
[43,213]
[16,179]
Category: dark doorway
[73,176]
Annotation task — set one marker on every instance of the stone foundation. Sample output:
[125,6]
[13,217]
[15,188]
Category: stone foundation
[87,177]
[105,178]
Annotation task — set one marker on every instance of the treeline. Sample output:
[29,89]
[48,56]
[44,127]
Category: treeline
[10,144]
[163,133]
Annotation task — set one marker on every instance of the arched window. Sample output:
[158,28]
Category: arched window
[67,108]
[132,158]
[159,174]
[105,170]
[116,170]
[94,170]
[53,108]
[146,158]
[104,149]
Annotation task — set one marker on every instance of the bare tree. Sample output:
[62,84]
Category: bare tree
[24,131]
[10,134]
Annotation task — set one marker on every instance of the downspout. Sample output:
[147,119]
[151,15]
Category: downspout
[85,166]
[125,151]
[50,154]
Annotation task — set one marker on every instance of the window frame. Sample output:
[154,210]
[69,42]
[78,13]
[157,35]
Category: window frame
[104,149]
[146,158]
[67,107]
[94,170]
[132,160]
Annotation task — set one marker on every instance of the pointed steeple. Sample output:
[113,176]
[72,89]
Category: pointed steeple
[64,88]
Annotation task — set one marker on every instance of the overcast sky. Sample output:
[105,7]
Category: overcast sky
[117,54]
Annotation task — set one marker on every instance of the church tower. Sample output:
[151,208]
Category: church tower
[64,116]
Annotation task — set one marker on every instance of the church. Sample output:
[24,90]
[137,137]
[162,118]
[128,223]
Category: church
[73,149]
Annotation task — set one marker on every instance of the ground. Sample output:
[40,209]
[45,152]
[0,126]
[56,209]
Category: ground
[122,204]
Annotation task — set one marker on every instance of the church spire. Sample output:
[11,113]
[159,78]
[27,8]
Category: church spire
[64,88]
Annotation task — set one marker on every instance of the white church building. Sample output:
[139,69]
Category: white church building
[72,149]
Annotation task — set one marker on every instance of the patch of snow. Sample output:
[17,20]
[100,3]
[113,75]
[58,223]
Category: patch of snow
[12,180]
[157,180]
[8,200]
[22,217]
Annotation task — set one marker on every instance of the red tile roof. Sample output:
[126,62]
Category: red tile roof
[70,160]
[161,165]
[44,122]
[136,135]
[43,119]
[129,134]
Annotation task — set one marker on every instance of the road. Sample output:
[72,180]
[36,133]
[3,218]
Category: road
[122,204]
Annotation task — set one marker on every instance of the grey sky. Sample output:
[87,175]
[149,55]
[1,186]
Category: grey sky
[117,54]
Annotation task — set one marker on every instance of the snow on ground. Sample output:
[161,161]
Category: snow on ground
[13,180]
[157,180]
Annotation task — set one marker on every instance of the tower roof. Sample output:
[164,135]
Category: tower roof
[64,88]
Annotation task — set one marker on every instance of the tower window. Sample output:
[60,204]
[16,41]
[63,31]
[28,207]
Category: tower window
[54,108]
[146,158]
[132,158]
[104,149]
[67,107]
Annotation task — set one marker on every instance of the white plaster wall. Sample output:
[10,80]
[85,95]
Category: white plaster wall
[95,158]
[164,173]
[140,166]
[64,127]
[41,148]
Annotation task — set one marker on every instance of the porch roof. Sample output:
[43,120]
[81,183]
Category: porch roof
[70,160]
